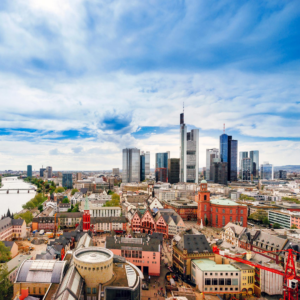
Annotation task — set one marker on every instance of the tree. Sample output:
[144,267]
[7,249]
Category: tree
[27,216]
[266,221]
[76,208]
[294,226]
[115,201]
[6,287]
[74,191]
[276,226]
[259,215]
[40,207]
[245,197]
[59,189]
[66,200]
[4,253]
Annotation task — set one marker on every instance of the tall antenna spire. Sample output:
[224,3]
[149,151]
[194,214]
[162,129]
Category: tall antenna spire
[224,128]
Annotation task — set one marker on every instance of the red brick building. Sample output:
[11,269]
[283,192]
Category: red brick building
[218,212]
[187,209]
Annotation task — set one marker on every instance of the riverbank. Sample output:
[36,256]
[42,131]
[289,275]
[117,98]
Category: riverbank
[13,200]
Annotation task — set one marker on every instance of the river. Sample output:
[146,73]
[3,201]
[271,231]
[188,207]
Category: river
[14,201]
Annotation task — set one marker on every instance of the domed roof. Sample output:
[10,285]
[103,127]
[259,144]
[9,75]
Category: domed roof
[203,181]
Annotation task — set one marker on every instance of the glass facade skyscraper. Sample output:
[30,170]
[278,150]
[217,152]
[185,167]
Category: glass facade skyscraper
[29,171]
[254,157]
[246,174]
[229,153]
[67,180]
[189,153]
[161,162]
[173,170]
[142,167]
[210,155]
[147,163]
[242,155]
[266,170]
[131,165]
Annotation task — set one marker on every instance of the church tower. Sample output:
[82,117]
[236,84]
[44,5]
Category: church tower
[86,218]
[203,200]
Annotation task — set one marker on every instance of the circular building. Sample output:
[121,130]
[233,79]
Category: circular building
[95,265]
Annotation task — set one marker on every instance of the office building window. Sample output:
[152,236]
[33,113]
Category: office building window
[223,221]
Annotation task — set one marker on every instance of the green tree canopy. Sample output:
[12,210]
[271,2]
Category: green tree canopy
[76,207]
[115,201]
[27,216]
[276,226]
[74,191]
[245,197]
[6,287]
[34,202]
[40,207]
[259,215]
[59,189]
[294,226]
[266,221]
[66,200]
[4,253]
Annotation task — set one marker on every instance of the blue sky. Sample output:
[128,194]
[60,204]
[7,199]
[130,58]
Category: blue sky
[82,79]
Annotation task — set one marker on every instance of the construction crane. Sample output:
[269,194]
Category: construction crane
[290,278]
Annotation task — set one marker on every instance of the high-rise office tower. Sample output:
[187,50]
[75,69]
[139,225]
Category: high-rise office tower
[144,164]
[254,166]
[210,155]
[161,166]
[219,171]
[189,153]
[246,174]
[131,165]
[42,172]
[67,180]
[242,155]
[147,163]
[228,153]
[173,170]
[49,170]
[29,171]
[142,167]
[266,171]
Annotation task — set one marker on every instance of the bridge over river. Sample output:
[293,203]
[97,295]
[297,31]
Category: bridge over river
[7,191]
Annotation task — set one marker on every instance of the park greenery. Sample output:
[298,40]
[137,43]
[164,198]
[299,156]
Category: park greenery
[42,186]
[34,202]
[65,200]
[259,215]
[59,189]
[6,287]
[245,197]
[74,191]
[27,216]
[294,200]
[115,201]
[276,226]
[109,192]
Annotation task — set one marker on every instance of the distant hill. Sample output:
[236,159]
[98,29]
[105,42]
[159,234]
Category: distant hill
[289,168]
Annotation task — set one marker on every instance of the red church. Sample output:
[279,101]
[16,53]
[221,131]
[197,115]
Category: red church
[218,212]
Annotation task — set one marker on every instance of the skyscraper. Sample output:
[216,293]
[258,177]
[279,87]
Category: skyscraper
[266,170]
[228,153]
[29,171]
[246,174]
[161,166]
[131,165]
[210,155]
[67,180]
[242,155]
[49,170]
[42,172]
[142,167]
[147,163]
[189,153]
[173,170]
[144,164]
[254,165]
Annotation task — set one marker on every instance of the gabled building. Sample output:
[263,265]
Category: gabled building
[187,246]
[12,229]
[232,233]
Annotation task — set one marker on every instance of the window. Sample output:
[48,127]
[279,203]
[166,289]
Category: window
[215,281]
[94,290]
[221,281]
[230,218]
[242,211]
[210,274]
[228,281]
[231,211]
[205,197]
[34,290]
[223,220]
[242,220]
[223,211]
[216,210]
[205,207]
[207,281]
[235,281]
[88,290]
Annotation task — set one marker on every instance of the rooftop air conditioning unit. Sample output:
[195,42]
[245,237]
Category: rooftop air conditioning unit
[292,283]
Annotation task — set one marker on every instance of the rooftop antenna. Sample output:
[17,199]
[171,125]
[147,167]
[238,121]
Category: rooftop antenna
[224,128]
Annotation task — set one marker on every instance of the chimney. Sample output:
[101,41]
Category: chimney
[24,294]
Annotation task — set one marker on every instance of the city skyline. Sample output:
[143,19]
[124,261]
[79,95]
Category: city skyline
[73,99]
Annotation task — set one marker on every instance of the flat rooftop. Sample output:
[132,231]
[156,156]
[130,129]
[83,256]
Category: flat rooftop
[210,265]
